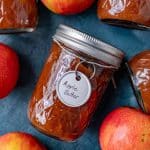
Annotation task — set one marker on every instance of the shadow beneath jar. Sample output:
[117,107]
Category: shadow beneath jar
[27,75]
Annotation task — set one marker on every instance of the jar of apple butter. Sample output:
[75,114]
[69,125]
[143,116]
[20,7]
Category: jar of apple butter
[139,70]
[18,16]
[72,83]
[127,13]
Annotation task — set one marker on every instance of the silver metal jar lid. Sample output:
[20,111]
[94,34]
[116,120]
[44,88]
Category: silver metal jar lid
[91,46]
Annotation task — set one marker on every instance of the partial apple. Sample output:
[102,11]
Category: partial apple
[67,7]
[9,70]
[125,129]
[19,141]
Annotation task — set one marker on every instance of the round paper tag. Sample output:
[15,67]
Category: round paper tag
[73,89]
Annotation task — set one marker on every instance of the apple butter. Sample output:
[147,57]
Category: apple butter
[127,13]
[139,67]
[72,83]
[18,15]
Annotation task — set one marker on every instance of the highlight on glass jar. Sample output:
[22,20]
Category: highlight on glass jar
[139,71]
[18,16]
[126,13]
[72,83]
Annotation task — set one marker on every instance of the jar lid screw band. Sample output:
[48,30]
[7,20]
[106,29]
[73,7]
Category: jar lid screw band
[94,63]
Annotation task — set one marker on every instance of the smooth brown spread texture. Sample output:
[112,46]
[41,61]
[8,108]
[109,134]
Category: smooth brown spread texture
[137,11]
[140,66]
[47,113]
[16,14]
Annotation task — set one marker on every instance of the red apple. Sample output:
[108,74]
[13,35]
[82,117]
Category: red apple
[67,7]
[9,70]
[20,141]
[125,129]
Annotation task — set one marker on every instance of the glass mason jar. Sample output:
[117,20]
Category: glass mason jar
[18,16]
[72,83]
[139,73]
[127,13]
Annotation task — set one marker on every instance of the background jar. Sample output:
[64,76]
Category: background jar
[127,13]
[139,72]
[18,16]
[71,51]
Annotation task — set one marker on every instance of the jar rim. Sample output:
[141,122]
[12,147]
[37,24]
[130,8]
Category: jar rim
[89,45]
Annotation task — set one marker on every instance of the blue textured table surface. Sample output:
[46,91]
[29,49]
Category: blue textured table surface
[33,49]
